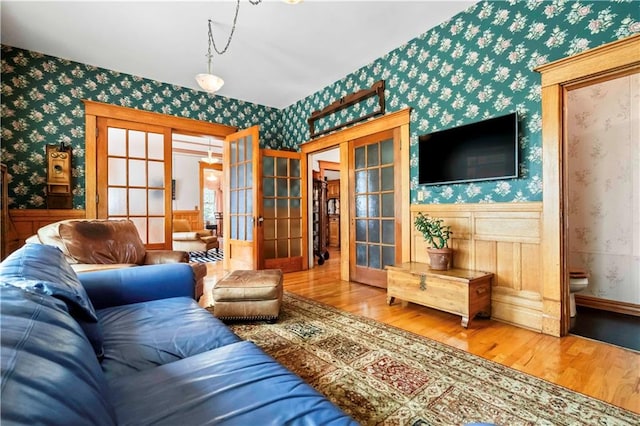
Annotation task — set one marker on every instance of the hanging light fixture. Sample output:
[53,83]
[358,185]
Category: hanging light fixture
[211,83]
[210,159]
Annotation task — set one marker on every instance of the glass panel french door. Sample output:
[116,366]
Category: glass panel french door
[241,166]
[133,174]
[281,224]
[374,208]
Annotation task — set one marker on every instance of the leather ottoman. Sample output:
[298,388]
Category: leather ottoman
[248,295]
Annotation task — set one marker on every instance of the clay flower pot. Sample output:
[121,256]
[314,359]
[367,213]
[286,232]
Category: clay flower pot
[440,259]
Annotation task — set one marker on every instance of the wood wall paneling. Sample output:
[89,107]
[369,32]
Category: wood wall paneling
[193,216]
[485,255]
[502,238]
[28,221]
[531,274]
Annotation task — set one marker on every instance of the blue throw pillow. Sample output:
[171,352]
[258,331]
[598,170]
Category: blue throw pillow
[43,269]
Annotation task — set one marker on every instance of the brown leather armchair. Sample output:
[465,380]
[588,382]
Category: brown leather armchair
[186,239]
[94,244]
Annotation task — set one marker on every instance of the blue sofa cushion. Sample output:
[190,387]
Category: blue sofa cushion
[49,372]
[43,269]
[237,384]
[144,335]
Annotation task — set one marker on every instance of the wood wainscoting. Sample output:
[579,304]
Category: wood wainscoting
[502,238]
[193,216]
[28,221]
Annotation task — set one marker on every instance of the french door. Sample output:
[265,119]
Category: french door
[241,161]
[133,174]
[280,225]
[374,209]
[263,226]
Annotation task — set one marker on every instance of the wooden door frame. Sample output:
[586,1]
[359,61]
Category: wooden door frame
[557,78]
[340,139]
[93,110]
[327,165]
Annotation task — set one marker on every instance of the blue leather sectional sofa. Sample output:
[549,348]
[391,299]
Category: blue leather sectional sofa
[131,346]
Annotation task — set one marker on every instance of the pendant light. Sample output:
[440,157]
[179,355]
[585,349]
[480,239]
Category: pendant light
[210,159]
[209,82]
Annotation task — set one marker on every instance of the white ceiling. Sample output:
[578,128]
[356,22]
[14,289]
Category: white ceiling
[196,145]
[279,54]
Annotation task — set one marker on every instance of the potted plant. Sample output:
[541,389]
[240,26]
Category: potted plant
[437,235]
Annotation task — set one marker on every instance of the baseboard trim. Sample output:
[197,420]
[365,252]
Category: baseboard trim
[512,311]
[608,305]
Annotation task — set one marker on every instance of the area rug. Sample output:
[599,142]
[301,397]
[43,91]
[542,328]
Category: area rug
[206,256]
[381,375]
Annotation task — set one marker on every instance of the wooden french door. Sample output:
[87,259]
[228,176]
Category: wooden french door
[374,209]
[241,164]
[280,226]
[263,226]
[134,177]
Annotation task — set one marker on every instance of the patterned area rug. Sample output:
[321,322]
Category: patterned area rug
[206,256]
[379,374]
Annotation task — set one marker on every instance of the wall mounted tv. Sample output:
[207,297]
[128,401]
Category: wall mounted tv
[485,150]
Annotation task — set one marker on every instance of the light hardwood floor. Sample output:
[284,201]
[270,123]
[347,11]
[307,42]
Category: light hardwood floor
[596,369]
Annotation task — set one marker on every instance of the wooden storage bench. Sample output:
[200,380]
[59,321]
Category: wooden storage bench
[457,291]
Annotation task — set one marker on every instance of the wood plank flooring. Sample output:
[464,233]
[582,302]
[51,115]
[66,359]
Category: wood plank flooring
[596,369]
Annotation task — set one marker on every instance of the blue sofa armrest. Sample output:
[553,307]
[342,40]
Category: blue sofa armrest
[115,287]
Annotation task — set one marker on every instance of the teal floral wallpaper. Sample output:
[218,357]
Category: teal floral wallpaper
[41,104]
[477,65]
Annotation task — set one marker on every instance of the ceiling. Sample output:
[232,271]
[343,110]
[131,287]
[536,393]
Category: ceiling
[280,53]
[197,146]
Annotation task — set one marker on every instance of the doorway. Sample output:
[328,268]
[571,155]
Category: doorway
[211,197]
[602,120]
[149,194]
[325,218]
[558,79]
[197,181]
[603,185]
[343,141]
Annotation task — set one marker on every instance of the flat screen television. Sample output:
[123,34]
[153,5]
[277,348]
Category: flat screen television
[485,150]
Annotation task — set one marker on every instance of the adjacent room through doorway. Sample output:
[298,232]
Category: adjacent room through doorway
[325,205]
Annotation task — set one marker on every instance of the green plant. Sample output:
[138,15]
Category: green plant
[433,231]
